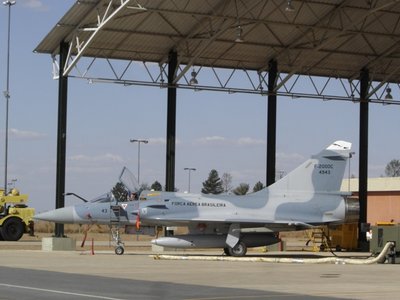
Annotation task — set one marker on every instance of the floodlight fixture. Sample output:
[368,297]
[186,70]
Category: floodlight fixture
[193,80]
[239,32]
[388,95]
[8,2]
[289,6]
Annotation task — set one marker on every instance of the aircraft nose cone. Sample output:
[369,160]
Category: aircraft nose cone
[60,215]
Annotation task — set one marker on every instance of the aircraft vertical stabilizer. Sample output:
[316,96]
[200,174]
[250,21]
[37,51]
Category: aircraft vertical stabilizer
[321,173]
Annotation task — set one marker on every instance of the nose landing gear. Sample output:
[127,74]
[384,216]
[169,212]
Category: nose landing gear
[119,245]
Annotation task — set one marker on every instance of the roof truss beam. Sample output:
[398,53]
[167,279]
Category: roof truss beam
[103,18]
[224,80]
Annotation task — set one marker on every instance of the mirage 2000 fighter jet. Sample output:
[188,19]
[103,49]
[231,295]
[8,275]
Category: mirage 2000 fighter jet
[308,196]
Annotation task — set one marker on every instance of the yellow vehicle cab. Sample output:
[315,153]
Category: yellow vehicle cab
[16,218]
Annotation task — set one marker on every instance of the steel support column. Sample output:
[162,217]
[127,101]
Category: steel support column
[61,135]
[363,245]
[171,122]
[271,122]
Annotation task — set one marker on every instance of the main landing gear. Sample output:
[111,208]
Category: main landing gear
[239,250]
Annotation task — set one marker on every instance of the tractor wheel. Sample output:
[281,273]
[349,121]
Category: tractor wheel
[12,229]
[239,250]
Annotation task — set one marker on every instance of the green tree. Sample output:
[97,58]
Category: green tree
[393,168]
[144,187]
[213,184]
[119,192]
[242,189]
[258,187]
[156,186]
[226,182]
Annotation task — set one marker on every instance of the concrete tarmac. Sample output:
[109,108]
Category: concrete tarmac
[33,274]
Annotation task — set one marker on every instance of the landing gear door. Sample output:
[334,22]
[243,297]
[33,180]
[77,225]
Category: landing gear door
[233,235]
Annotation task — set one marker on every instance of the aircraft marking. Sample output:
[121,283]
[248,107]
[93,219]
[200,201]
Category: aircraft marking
[212,204]
[58,292]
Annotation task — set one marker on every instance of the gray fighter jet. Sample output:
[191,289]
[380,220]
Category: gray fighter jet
[308,196]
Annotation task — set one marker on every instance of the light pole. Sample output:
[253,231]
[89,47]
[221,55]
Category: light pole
[138,168]
[7,93]
[189,170]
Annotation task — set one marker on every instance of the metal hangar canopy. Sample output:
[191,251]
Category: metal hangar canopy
[316,38]
[341,49]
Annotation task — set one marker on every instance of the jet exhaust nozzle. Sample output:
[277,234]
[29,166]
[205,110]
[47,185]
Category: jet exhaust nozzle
[352,212]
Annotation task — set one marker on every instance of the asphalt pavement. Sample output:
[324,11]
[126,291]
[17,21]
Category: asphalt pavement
[33,274]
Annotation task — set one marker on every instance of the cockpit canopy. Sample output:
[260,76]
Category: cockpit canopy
[105,198]
[129,186]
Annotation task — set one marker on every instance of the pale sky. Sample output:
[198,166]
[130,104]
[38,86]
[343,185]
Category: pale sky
[214,130]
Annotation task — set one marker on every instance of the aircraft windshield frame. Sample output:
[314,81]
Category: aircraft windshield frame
[105,198]
[129,180]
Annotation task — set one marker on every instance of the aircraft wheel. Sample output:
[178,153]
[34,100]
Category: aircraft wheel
[12,229]
[239,250]
[119,250]
[226,251]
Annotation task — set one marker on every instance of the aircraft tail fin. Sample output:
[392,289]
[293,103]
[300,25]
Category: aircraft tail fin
[321,173]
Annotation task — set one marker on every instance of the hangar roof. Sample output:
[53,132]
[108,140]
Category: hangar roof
[334,38]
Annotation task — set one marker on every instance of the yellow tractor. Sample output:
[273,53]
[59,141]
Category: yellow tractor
[16,218]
